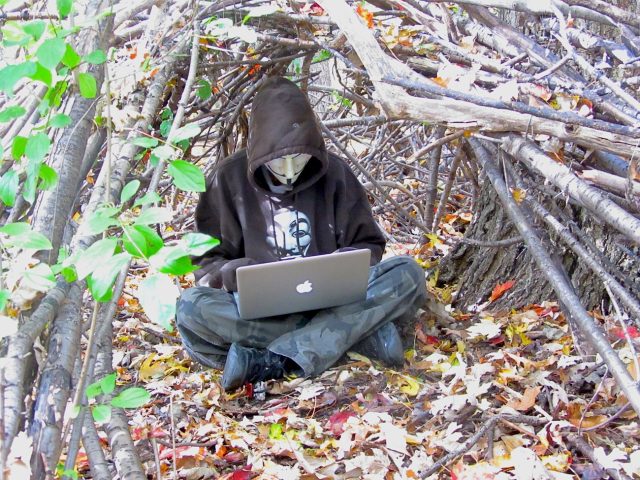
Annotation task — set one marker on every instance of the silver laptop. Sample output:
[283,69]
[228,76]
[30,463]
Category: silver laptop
[300,284]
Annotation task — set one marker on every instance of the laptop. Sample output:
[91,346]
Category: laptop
[304,283]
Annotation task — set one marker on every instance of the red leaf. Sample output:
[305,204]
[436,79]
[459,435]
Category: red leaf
[499,290]
[244,473]
[337,421]
[632,331]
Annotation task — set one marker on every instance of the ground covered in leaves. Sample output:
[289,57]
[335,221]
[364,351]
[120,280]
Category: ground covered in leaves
[481,396]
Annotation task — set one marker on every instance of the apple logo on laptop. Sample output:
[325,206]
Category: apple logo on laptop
[305,287]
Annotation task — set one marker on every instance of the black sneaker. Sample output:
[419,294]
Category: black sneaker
[384,344]
[249,365]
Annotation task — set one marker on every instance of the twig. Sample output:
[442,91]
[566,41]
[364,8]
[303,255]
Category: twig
[507,242]
[439,142]
[609,420]
[432,179]
[173,436]
[444,197]
[588,452]
[184,100]
[369,177]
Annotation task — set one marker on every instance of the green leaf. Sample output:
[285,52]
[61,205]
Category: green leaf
[275,431]
[188,131]
[154,215]
[21,235]
[71,58]
[132,397]
[199,243]
[18,146]
[33,241]
[42,74]
[101,413]
[165,127]
[51,52]
[4,296]
[146,142]
[37,147]
[91,258]
[11,74]
[147,198]
[48,177]
[59,120]
[108,383]
[186,176]
[96,57]
[55,94]
[15,229]
[39,278]
[104,276]
[163,152]
[174,260]
[157,295]
[35,29]
[64,7]
[100,220]
[87,84]
[321,56]
[129,190]
[141,241]
[9,188]
[135,242]
[204,89]
[93,390]
[11,112]
[29,188]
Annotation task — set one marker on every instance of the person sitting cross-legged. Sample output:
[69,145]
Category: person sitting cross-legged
[283,196]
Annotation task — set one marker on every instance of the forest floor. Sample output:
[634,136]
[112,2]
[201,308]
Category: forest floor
[490,394]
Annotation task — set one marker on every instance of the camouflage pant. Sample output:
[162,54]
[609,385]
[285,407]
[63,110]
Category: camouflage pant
[208,320]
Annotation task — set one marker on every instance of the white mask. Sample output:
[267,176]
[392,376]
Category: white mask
[287,169]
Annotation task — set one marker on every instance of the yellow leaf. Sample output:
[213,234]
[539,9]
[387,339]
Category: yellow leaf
[150,369]
[519,195]
[559,462]
[359,358]
[409,386]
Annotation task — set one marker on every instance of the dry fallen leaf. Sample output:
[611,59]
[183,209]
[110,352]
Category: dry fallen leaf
[527,401]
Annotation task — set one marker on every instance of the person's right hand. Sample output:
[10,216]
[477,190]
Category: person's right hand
[228,272]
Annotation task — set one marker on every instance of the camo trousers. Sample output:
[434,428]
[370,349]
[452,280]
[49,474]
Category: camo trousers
[208,320]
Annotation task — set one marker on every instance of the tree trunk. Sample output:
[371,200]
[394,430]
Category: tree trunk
[478,269]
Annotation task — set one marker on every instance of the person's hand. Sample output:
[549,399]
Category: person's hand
[228,272]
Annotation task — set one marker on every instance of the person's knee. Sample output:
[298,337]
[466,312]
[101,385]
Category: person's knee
[409,268]
[187,305]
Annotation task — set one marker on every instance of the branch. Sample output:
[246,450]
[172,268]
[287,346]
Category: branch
[18,349]
[398,104]
[571,185]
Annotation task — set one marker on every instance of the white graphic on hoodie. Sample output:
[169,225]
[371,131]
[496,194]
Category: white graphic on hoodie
[290,235]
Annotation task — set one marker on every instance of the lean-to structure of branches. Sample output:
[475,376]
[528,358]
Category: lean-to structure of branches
[499,143]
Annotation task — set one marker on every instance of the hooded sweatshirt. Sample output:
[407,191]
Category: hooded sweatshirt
[254,217]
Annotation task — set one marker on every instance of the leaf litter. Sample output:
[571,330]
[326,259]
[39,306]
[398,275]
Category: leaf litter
[516,370]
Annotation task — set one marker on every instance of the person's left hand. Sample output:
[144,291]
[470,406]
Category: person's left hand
[228,272]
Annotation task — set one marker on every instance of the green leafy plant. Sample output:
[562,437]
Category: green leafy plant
[132,397]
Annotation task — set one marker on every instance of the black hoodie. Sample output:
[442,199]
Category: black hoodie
[327,208]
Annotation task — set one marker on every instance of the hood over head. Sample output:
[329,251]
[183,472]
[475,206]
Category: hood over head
[283,123]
